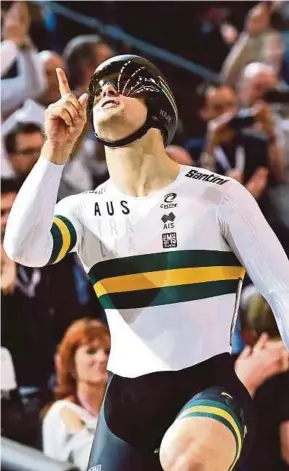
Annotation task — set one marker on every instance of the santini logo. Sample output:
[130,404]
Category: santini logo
[211,178]
[95,468]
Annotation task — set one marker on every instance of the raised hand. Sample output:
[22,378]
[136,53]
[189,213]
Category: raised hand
[65,119]
[258,20]
[266,359]
[16,23]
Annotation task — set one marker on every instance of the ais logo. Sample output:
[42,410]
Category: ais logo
[168,220]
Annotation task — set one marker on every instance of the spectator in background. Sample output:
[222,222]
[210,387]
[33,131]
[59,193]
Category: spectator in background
[26,331]
[23,145]
[9,189]
[26,325]
[248,48]
[8,378]
[86,168]
[257,79]
[33,110]
[14,423]
[50,61]
[213,101]
[273,54]
[82,55]
[280,11]
[35,312]
[77,175]
[242,156]
[69,425]
[279,197]
[9,49]
[264,369]
[238,154]
[31,80]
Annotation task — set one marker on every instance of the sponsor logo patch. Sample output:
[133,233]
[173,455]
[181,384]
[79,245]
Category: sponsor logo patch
[168,217]
[168,201]
[170,240]
[211,178]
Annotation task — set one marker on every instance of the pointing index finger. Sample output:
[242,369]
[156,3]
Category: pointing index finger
[64,87]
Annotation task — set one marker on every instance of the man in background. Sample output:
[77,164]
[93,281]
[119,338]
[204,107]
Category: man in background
[23,144]
[242,155]
[82,55]
[50,61]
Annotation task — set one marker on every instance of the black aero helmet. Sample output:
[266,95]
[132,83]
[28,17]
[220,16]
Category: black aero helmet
[135,76]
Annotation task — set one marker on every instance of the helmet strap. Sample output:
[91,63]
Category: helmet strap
[129,139]
[150,122]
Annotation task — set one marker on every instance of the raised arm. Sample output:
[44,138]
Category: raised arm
[31,79]
[249,45]
[258,249]
[32,238]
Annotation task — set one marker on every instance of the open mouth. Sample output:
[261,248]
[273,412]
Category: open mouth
[108,103]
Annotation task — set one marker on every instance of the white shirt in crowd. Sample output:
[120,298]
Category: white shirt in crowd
[8,54]
[77,176]
[29,83]
[59,443]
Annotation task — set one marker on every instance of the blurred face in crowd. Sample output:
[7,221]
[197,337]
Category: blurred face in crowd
[28,148]
[7,201]
[116,116]
[91,361]
[258,19]
[218,100]
[102,53]
[255,82]
[51,62]
[273,51]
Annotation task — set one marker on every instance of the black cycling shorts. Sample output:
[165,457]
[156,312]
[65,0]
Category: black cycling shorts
[137,412]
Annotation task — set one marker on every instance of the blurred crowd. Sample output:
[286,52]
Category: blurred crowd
[55,342]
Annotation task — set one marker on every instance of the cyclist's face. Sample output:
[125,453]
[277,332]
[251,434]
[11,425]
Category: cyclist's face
[116,115]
